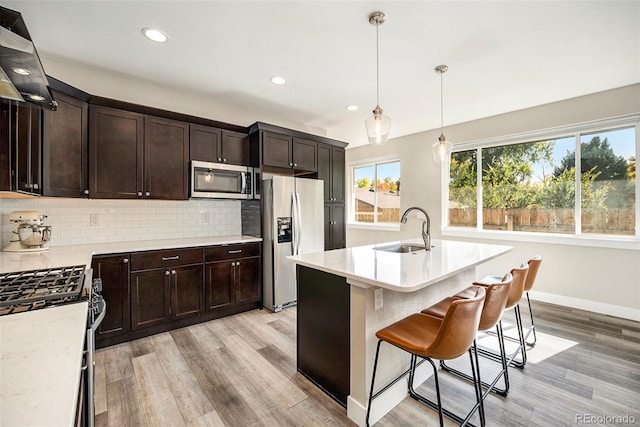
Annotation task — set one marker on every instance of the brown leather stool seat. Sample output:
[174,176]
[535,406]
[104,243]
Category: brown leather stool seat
[513,302]
[429,337]
[491,316]
[534,266]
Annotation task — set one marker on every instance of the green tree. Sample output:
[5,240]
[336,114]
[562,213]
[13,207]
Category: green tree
[462,183]
[560,191]
[598,156]
[363,183]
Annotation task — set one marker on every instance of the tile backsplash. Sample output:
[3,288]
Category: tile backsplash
[82,221]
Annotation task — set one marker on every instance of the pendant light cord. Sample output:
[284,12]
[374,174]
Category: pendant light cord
[441,107]
[377,67]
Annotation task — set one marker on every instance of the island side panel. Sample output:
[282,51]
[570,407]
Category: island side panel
[323,333]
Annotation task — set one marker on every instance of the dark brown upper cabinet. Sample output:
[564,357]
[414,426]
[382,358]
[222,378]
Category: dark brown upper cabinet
[65,148]
[116,148]
[287,152]
[331,171]
[137,156]
[210,144]
[166,159]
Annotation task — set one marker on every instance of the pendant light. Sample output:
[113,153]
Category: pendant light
[442,149]
[377,126]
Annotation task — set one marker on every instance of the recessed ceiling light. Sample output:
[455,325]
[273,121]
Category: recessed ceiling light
[277,80]
[36,97]
[351,107]
[21,71]
[155,35]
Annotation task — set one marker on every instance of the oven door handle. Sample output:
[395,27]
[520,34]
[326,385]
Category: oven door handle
[101,306]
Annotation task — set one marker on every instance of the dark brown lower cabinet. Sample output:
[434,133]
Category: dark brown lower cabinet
[114,272]
[156,291]
[232,281]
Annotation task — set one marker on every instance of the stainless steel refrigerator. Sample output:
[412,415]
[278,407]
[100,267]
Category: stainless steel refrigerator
[293,223]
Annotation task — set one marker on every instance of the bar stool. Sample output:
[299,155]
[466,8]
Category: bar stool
[494,304]
[515,294]
[428,337]
[534,265]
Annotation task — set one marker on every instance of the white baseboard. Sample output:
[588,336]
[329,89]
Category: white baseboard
[357,411]
[588,305]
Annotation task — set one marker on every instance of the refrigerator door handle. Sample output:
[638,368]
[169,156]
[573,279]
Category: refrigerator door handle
[294,225]
[299,224]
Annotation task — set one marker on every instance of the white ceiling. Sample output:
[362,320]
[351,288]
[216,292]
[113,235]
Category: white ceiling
[502,56]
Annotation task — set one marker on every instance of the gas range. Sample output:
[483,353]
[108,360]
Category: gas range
[34,289]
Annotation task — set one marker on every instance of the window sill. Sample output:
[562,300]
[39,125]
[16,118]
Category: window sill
[601,241]
[377,227]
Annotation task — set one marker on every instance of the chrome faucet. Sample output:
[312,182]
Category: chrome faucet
[426,226]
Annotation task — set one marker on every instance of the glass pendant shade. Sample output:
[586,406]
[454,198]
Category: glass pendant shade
[442,149]
[378,126]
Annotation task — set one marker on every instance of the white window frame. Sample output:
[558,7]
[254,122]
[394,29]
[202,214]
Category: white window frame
[579,238]
[351,223]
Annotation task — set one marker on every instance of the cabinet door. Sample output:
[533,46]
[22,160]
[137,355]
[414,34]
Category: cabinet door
[65,146]
[338,235]
[305,155]
[204,144]
[248,280]
[116,152]
[219,285]
[337,174]
[324,170]
[27,149]
[276,150]
[186,291]
[166,159]
[235,148]
[150,298]
[114,272]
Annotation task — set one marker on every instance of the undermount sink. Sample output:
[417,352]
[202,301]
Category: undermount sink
[401,248]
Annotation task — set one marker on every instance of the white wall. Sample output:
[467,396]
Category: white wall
[597,279]
[126,220]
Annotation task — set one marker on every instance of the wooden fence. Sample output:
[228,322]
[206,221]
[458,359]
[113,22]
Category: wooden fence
[600,221]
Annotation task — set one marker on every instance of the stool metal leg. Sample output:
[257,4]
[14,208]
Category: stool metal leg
[504,373]
[521,345]
[373,380]
[533,326]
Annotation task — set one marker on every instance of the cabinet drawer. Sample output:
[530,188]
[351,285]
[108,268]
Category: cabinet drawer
[165,258]
[240,250]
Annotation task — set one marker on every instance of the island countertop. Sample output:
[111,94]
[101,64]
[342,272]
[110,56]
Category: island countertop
[401,272]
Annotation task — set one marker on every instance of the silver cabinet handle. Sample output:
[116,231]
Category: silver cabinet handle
[125,260]
[86,192]
[295,164]
[139,193]
[237,263]
[166,273]
[170,258]
[233,264]
[147,194]
[219,159]
[35,186]
[224,160]
[173,272]
[290,164]
[236,251]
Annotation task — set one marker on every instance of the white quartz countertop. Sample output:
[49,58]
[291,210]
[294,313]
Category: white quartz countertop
[60,256]
[402,272]
[41,357]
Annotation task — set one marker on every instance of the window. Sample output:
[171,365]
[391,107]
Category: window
[375,197]
[578,182]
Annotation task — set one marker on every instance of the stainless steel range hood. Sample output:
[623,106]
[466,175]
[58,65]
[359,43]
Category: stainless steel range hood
[22,77]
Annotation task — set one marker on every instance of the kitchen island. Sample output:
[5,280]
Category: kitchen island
[337,304]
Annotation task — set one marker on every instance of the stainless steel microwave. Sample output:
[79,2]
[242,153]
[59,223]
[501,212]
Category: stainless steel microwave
[221,181]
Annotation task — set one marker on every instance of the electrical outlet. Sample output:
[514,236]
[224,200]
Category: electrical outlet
[205,217]
[377,299]
[93,220]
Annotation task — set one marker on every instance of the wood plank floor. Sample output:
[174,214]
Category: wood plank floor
[241,371]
